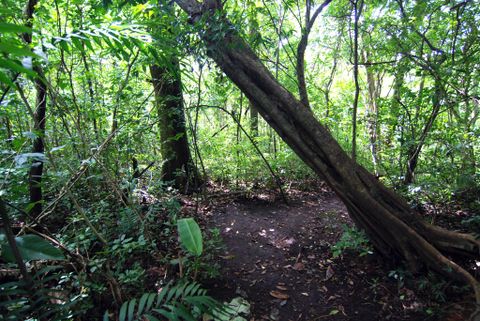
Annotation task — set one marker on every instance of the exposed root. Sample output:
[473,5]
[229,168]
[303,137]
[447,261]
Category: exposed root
[452,242]
[424,243]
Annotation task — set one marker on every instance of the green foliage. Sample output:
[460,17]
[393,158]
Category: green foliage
[182,301]
[352,239]
[31,247]
[190,236]
[45,299]
[16,56]
[238,309]
[473,224]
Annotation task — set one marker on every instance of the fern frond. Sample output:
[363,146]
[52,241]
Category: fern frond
[40,301]
[179,302]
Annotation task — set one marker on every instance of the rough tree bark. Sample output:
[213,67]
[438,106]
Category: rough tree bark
[177,167]
[390,223]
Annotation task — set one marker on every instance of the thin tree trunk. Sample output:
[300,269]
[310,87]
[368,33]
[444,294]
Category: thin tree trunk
[302,47]
[357,11]
[253,120]
[372,115]
[7,227]
[390,223]
[9,132]
[91,93]
[238,119]
[395,102]
[36,169]
[329,84]
[414,151]
[253,25]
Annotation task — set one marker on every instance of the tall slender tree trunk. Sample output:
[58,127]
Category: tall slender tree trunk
[39,120]
[390,223]
[36,170]
[177,166]
[372,114]
[396,100]
[253,120]
[91,94]
[302,47]
[253,32]
[414,150]
[357,11]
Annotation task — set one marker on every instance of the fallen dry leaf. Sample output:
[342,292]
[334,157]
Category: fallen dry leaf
[283,288]
[279,295]
[342,309]
[332,297]
[299,266]
[329,273]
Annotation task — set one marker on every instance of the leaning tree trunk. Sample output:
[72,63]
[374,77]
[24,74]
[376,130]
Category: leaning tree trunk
[387,219]
[177,166]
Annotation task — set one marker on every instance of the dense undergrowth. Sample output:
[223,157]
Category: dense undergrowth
[116,251]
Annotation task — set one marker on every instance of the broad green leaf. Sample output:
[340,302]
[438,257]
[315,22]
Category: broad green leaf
[141,303]
[190,235]
[5,79]
[151,298]
[6,27]
[12,65]
[131,309]
[123,312]
[15,50]
[32,247]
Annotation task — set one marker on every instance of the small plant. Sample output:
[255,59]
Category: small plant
[200,254]
[473,223]
[183,301]
[399,275]
[435,286]
[191,239]
[352,239]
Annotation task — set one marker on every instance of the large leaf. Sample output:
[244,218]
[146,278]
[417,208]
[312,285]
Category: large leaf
[6,27]
[31,247]
[190,235]
[16,50]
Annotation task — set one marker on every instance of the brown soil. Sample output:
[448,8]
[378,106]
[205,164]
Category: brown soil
[279,258]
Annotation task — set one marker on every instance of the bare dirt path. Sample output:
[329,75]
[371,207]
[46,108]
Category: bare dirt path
[279,258]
